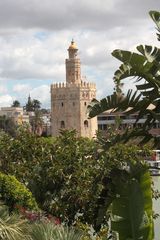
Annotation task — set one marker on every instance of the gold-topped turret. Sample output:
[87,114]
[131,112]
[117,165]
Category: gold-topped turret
[72,50]
[73,65]
[73,45]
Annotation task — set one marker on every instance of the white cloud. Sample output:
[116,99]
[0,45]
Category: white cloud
[70,14]
[34,39]
[22,88]
[3,89]
[41,93]
[6,100]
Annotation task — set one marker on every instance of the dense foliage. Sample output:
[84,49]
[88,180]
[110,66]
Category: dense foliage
[70,177]
[63,174]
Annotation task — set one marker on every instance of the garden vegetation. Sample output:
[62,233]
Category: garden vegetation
[74,188]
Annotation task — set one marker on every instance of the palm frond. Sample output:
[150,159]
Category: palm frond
[114,102]
[151,53]
[49,231]
[42,231]
[66,233]
[128,57]
[110,102]
[12,227]
[144,66]
[156,18]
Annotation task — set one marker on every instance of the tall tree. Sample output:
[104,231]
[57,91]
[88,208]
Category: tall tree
[36,104]
[29,105]
[32,105]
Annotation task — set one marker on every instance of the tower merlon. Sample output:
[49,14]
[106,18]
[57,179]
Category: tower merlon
[74,85]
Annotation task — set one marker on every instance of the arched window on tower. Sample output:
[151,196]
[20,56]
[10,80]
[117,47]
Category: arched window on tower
[86,124]
[62,124]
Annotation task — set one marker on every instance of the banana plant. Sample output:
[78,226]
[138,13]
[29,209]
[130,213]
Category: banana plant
[126,195]
[131,210]
[145,67]
[131,198]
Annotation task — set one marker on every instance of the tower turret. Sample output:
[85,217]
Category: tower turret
[73,65]
[72,50]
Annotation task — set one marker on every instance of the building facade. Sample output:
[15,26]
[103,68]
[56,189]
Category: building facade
[16,113]
[69,100]
[109,118]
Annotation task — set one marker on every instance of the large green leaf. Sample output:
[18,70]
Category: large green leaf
[136,65]
[132,208]
[128,57]
[109,103]
[151,53]
[156,18]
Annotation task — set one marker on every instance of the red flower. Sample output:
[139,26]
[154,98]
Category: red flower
[57,221]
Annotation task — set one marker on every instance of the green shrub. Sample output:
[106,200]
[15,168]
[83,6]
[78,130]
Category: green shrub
[12,192]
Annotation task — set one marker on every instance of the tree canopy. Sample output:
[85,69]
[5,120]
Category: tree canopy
[16,103]
[32,105]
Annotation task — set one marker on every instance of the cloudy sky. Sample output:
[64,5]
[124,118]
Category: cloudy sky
[35,35]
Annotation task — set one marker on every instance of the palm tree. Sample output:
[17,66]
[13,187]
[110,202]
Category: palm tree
[16,103]
[145,66]
[36,104]
[29,105]
[32,105]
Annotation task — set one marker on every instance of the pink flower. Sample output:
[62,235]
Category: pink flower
[57,221]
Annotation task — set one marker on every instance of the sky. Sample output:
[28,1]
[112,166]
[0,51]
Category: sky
[35,36]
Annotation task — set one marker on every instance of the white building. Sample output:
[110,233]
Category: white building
[16,113]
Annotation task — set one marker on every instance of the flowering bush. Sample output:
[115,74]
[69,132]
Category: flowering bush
[37,216]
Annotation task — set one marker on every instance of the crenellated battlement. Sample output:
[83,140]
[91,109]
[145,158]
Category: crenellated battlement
[83,84]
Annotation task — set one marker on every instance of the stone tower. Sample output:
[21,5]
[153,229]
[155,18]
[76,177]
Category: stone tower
[69,100]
